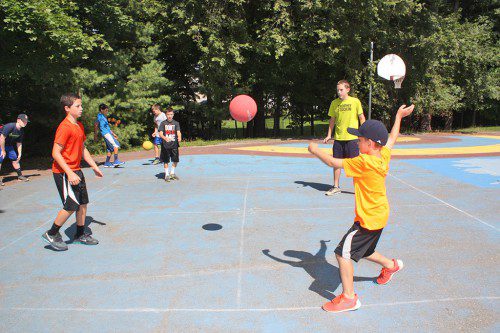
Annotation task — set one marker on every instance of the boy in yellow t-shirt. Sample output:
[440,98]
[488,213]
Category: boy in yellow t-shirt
[368,171]
[344,112]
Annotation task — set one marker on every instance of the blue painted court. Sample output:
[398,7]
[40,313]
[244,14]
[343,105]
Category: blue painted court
[270,267]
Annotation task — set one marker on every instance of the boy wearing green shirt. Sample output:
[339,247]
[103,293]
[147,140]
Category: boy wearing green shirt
[344,112]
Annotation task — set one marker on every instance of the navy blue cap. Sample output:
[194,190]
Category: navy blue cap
[373,130]
[23,117]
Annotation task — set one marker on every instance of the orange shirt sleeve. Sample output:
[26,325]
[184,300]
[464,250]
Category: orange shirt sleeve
[354,167]
[62,135]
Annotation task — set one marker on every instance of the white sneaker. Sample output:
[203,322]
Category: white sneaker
[334,190]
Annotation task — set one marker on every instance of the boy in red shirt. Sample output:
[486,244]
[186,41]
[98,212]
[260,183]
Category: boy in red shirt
[368,171]
[67,152]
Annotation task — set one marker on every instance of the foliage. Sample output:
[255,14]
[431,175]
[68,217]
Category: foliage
[288,55]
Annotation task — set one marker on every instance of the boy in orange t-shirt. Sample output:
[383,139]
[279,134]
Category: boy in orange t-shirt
[368,171]
[68,149]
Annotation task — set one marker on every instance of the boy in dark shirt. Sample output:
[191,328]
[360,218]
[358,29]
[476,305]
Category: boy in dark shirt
[170,133]
[11,135]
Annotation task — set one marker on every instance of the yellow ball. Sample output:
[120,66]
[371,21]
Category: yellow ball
[148,145]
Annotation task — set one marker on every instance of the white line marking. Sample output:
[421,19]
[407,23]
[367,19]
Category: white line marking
[96,278]
[48,221]
[242,239]
[208,212]
[303,308]
[334,208]
[444,202]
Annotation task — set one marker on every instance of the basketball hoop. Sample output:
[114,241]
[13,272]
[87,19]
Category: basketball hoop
[397,81]
[392,67]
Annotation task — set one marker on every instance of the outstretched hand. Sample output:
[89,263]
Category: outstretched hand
[404,111]
[97,172]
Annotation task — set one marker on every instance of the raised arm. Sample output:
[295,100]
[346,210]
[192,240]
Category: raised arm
[403,111]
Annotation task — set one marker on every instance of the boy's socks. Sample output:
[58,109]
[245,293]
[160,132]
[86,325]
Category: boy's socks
[54,229]
[19,172]
[173,171]
[116,157]
[80,229]
[108,158]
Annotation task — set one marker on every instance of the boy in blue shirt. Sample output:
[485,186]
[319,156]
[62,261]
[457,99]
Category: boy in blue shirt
[110,138]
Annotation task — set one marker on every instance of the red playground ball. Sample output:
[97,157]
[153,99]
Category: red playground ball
[243,108]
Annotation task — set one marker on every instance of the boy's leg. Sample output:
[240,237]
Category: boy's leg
[174,154]
[348,300]
[109,150]
[157,143]
[336,177]
[117,161]
[112,145]
[1,179]
[380,259]
[17,167]
[390,266]
[108,163]
[338,152]
[167,172]
[346,271]
[80,236]
[53,236]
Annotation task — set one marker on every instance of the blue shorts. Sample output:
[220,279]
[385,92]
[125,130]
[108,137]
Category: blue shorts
[10,153]
[345,149]
[157,141]
[111,143]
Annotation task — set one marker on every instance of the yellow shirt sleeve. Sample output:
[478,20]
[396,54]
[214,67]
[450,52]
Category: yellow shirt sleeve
[360,108]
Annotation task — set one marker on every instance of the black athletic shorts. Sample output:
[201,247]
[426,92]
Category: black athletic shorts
[169,154]
[358,243]
[72,196]
[345,149]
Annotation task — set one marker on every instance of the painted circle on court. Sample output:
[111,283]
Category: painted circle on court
[212,227]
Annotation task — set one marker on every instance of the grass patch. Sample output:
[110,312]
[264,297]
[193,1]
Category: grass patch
[479,129]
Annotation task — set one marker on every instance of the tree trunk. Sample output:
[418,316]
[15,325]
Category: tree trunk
[259,121]
[249,130]
[301,121]
[312,122]
[426,122]
[448,121]
[235,129]
[277,116]
[474,117]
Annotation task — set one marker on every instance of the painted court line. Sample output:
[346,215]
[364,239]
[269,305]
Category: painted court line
[209,212]
[336,207]
[242,239]
[50,220]
[99,279]
[304,308]
[444,202]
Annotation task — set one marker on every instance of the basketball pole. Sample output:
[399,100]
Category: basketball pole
[370,94]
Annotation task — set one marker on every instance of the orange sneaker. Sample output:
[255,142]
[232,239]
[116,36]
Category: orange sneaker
[342,304]
[387,273]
